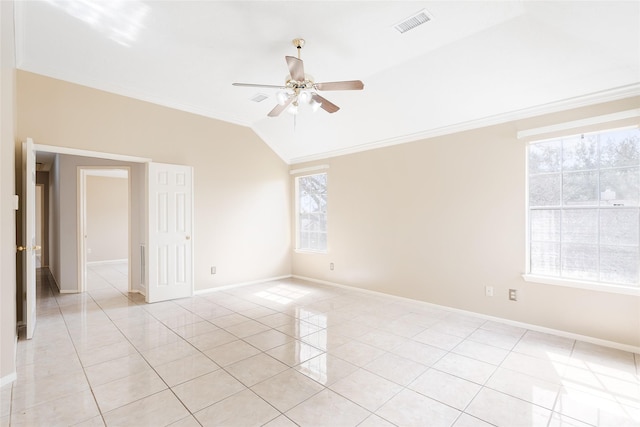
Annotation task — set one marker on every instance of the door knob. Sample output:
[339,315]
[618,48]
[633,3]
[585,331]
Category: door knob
[21,248]
[37,247]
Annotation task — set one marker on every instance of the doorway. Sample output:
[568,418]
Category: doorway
[104,228]
[169,187]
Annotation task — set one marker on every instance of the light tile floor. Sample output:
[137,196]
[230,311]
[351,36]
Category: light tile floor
[291,353]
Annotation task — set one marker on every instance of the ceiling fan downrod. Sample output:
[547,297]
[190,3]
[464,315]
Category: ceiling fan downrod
[299,44]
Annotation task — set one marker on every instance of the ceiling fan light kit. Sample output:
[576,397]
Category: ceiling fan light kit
[300,88]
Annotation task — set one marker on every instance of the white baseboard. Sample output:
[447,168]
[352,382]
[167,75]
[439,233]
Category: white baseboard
[55,282]
[239,285]
[62,291]
[9,378]
[109,261]
[532,327]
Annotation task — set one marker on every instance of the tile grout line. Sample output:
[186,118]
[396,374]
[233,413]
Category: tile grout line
[137,351]
[237,379]
[53,291]
[242,300]
[201,352]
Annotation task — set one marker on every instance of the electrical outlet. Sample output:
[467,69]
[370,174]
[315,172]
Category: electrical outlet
[488,291]
[213,270]
[513,294]
[331,266]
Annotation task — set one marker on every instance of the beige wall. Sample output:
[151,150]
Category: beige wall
[107,210]
[438,220]
[241,200]
[7,190]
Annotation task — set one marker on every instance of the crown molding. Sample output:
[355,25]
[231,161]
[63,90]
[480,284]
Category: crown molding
[552,107]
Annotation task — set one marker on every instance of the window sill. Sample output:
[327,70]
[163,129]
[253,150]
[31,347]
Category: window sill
[309,251]
[580,284]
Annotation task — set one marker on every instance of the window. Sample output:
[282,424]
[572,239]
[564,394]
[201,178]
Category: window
[311,212]
[584,216]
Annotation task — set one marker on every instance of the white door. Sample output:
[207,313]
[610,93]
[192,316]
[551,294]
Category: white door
[169,243]
[28,247]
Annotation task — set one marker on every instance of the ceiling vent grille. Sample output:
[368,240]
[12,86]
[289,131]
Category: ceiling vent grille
[259,97]
[413,21]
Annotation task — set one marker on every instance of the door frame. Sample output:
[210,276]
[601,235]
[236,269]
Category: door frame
[26,249]
[81,223]
[40,204]
[124,158]
[97,155]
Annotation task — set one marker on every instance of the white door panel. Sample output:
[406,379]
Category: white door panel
[169,242]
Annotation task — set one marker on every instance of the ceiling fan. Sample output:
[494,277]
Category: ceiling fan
[299,88]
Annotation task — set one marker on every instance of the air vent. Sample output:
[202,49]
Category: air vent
[413,21]
[258,97]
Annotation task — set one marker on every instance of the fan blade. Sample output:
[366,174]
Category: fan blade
[280,108]
[348,85]
[296,68]
[257,85]
[327,106]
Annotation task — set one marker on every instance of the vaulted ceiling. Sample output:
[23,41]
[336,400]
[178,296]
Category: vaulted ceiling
[475,62]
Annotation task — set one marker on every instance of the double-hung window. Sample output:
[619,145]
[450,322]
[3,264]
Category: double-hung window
[311,212]
[583,201]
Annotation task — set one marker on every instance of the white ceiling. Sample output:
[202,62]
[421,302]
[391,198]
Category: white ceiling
[475,62]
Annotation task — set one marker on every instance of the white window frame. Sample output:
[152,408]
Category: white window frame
[561,281]
[310,172]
